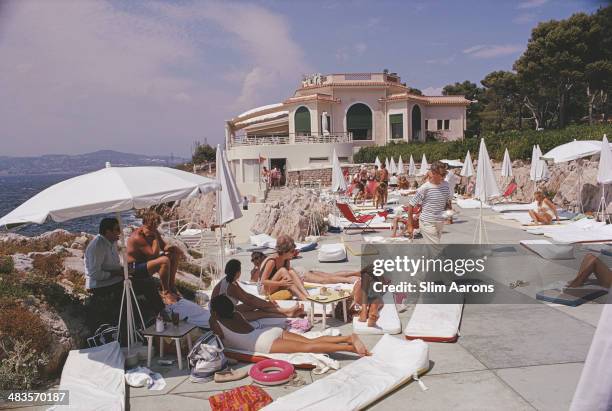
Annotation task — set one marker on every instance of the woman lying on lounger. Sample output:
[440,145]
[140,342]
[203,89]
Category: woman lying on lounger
[545,211]
[592,265]
[277,273]
[252,307]
[236,332]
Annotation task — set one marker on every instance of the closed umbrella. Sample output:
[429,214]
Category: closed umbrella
[387,165]
[468,168]
[377,162]
[400,166]
[111,190]
[229,199]
[542,167]
[424,166]
[533,173]
[506,170]
[485,188]
[604,175]
[338,181]
[411,167]
[392,167]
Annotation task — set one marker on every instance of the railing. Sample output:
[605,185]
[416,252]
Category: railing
[267,140]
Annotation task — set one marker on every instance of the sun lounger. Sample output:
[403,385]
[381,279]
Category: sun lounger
[94,377]
[505,208]
[470,203]
[548,250]
[388,322]
[377,223]
[386,240]
[579,225]
[266,241]
[393,363]
[599,234]
[329,253]
[572,297]
[434,322]
[358,221]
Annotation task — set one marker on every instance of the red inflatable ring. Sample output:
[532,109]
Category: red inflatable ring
[271,372]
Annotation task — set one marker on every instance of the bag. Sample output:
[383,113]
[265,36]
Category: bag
[104,334]
[206,358]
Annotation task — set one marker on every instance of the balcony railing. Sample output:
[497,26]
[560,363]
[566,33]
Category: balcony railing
[273,139]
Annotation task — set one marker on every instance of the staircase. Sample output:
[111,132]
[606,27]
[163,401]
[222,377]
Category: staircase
[276,194]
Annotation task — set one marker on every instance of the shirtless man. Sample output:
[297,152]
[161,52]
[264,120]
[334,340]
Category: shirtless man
[148,254]
[384,183]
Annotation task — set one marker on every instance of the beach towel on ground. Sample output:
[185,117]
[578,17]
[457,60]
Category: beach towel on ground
[434,322]
[393,363]
[244,398]
[95,379]
[321,363]
[557,294]
[504,208]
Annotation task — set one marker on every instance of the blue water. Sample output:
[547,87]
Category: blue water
[14,190]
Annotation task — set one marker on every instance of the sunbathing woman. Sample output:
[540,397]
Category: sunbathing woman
[236,332]
[252,307]
[545,211]
[277,273]
[591,264]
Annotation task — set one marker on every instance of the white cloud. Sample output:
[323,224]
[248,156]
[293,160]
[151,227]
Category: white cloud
[83,75]
[531,4]
[432,91]
[492,50]
[345,54]
[442,60]
[524,18]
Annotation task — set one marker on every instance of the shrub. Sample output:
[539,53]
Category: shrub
[188,290]
[37,244]
[6,264]
[10,289]
[48,265]
[518,142]
[54,294]
[19,324]
[20,365]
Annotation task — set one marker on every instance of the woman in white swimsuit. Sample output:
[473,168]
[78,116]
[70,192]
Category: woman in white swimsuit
[545,211]
[252,307]
[236,332]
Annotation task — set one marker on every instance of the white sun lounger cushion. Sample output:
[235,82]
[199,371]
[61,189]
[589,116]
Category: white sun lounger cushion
[548,250]
[435,322]
[95,379]
[598,234]
[329,253]
[266,241]
[388,322]
[504,208]
[470,203]
[574,226]
[393,363]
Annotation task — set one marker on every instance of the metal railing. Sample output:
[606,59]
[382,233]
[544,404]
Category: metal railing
[273,139]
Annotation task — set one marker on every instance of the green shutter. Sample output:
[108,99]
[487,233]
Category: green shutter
[359,117]
[302,121]
[396,119]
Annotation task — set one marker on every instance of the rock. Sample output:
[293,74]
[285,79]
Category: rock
[80,243]
[22,262]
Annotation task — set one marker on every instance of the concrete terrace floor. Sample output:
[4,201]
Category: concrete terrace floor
[508,357]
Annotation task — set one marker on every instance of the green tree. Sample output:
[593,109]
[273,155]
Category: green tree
[203,153]
[598,70]
[472,92]
[503,102]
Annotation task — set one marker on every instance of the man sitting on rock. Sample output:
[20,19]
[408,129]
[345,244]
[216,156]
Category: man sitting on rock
[104,275]
[149,254]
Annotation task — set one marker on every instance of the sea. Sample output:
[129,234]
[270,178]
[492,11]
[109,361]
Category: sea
[15,190]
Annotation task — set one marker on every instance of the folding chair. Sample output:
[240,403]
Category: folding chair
[507,194]
[356,219]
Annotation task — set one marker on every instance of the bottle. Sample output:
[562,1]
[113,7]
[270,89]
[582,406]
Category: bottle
[159,324]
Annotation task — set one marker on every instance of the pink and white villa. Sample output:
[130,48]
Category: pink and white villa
[336,111]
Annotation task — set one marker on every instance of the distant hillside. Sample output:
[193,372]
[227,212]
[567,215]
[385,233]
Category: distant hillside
[80,163]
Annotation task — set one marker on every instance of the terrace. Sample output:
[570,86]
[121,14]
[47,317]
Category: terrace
[290,138]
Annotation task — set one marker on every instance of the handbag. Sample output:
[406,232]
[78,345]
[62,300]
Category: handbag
[206,358]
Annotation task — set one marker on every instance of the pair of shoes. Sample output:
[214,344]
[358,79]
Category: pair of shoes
[519,283]
[231,375]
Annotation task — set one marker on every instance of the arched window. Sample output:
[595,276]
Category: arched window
[417,133]
[359,121]
[302,121]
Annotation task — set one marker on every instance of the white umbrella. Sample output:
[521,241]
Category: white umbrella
[533,169]
[542,167]
[324,124]
[387,165]
[338,181]
[485,187]
[573,150]
[229,199]
[411,167]
[506,170]
[112,189]
[377,162]
[400,166]
[604,174]
[424,166]
[468,168]
[392,167]
[452,163]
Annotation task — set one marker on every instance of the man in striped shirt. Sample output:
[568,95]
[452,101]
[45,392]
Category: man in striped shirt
[435,197]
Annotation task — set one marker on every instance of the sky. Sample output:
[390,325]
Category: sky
[152,77]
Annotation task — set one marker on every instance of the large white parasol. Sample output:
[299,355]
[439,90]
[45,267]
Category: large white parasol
[111,190]
[506,169]
[377,162]
[604,175]
[411,167]
[573,150]
[338,181]
[485,188]
[424,166]
[387,165]
[392,167]
[229,199]
[400,166]
[468,168]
